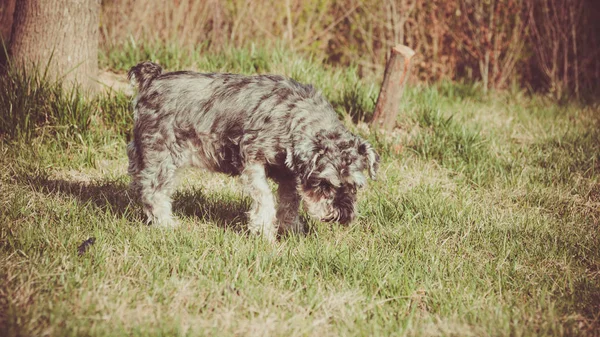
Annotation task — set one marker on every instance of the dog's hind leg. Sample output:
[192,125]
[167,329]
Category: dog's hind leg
[156,184]
[262,214]
[134,168]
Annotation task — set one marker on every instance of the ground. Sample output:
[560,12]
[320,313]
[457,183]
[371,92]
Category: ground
[484,220]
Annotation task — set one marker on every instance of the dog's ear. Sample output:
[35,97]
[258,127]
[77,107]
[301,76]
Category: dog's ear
[308,151]
[303,158]
[370,156]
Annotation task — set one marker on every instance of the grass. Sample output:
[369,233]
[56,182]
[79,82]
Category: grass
[484,221]
[29,100]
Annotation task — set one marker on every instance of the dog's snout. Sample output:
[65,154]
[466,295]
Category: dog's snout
[346,216]
[345,207]
[331,217]
[342,215]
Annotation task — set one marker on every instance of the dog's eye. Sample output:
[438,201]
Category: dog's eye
[323,185]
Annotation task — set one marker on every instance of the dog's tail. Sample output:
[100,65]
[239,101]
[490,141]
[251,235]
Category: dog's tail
[141,75]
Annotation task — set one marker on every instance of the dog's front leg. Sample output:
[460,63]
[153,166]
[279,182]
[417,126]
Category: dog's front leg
[262,214]
[287,208]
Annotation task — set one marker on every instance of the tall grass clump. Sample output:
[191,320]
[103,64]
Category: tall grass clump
[30,102]
[115,112]
[443,138]
[124,55]
[357,100]
[447,142]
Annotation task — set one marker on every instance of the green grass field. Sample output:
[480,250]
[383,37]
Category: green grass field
[484,221]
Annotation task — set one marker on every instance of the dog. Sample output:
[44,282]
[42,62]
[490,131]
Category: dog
[256,127]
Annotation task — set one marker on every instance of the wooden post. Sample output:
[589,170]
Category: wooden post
[397,71]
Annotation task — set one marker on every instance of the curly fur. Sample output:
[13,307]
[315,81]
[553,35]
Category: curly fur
[259,127]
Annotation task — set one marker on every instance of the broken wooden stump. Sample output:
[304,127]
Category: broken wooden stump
[397,71]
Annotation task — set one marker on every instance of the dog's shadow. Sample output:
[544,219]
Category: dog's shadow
[225,210]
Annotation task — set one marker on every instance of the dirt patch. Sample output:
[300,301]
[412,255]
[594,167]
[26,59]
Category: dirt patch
[110,81]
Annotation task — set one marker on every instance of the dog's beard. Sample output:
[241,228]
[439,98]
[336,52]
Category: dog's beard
[340,207]
[345,205]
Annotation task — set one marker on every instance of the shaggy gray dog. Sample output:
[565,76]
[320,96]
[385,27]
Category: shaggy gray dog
[259,127]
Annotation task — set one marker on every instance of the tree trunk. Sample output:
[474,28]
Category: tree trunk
[397,71]
[60,34]
[7,9]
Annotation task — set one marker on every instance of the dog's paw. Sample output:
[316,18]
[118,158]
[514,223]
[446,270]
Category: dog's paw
[170,223]
[296,227]
[267,232]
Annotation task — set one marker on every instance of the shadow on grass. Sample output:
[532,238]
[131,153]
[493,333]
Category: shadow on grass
[226,211]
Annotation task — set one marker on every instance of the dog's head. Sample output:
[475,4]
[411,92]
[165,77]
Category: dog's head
[330,170]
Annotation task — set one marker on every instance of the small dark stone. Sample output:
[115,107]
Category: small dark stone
[83,247]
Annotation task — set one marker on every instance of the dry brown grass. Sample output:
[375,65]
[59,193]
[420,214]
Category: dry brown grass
[461,39]
[498,43]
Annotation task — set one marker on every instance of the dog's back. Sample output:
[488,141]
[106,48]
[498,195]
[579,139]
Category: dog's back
[214,102]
